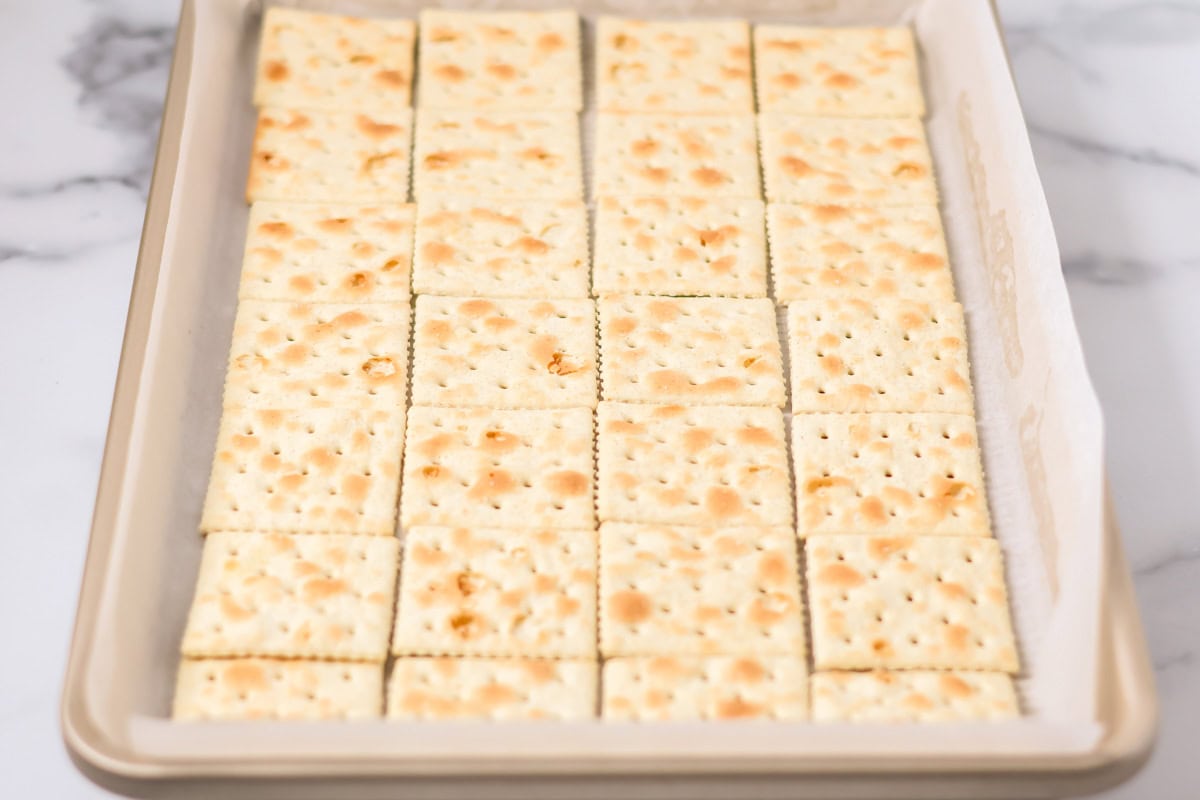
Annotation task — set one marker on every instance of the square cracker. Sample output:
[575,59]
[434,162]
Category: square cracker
[911,602]
[512,154]
[693,67]
[268,688]
[916,696]
[330,156]
[512,60]
[506,469]
[468,246]
[293,595]
[694,350]
[820,251]
[680,246]
[504,353]
[712,465]
[837,72]
[306,252]
[882,162]
[318,355]
[323,470]
[330,62]
[708,688]
[888,473]
[492,688]
[699,591]
[675,156]
[497,592]
[888,355]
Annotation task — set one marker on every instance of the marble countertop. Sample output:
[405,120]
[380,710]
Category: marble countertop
[1113,107]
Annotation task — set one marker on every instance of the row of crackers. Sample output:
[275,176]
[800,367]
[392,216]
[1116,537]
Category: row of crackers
[314,399]
[531,61]
[666,590]
[290,605]
[835,227]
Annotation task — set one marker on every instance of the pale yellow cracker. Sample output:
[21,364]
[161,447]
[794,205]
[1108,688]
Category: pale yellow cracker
[837,72]
[330,156]
[888,473]
[492,688]
[675,156]
[676,66]
[497,592]
[318,355]
[909,602]
[709,688]
[858,355]
[882,162]
[507,469]
[694,350]
[512,60]
[330,62]
[691,590]
[711,465]
[306,252]
[321,469]
[268,688]
[820,251]
[468,246]
[295,595]
[680,246]
[912,696]
[513,155]
[504,353]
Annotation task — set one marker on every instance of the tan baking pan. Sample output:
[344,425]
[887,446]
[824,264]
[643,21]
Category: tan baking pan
[1088,685]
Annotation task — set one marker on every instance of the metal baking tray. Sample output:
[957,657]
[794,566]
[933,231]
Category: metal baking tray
[1039,424]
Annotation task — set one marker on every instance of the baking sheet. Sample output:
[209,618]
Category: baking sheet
[1038,417]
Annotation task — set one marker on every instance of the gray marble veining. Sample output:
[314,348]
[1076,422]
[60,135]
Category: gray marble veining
[1113,105]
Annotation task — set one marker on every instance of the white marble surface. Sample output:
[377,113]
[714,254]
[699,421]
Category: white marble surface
[1112,97]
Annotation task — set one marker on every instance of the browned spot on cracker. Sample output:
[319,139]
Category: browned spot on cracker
[721,502]
[505,72]
[738,708]
[840,575]
[375,130]
[495,441]
[881,547]
[709,177]
[276,71]
[450,72]
[567,483]
[379,367]
[244,676]
[630,607]
[317,589]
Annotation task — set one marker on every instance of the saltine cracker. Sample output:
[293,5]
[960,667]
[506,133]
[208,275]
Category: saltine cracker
[662,688]
[693,350]
[309,252]
[293,595]
[331,62]
[323,470]
[498,468]
[691,590]
[474,591]
[492,688]
[504,353]
[909,602]
[510,60]
[330,156]
[680,246]
[709,465]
